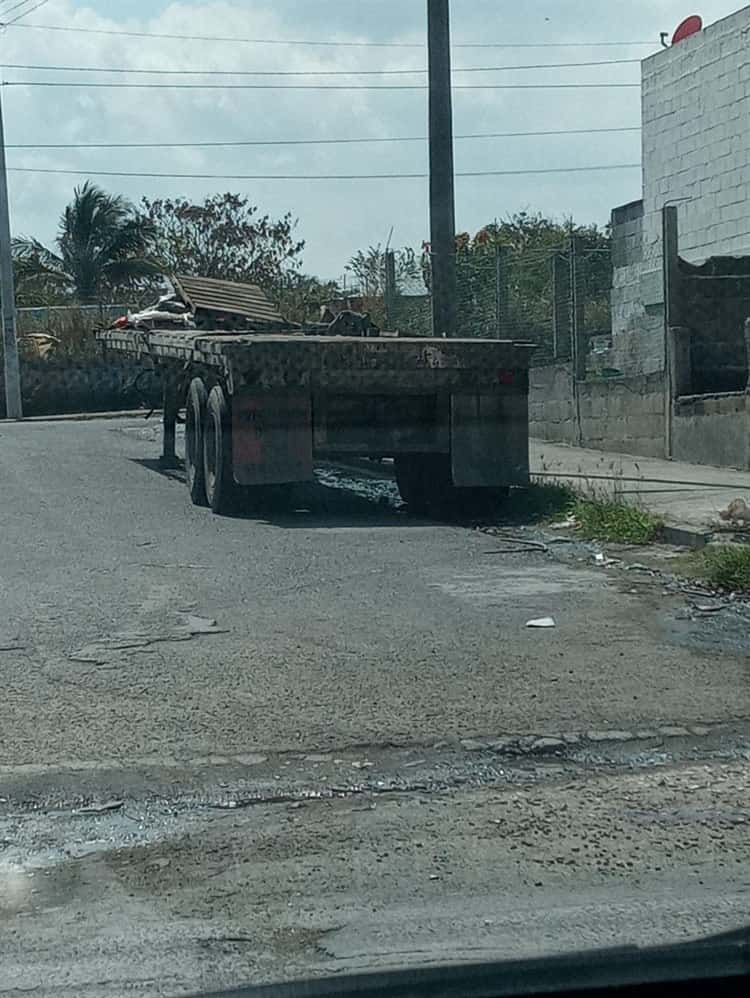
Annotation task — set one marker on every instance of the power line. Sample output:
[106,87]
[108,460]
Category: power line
[307,72]
[9,10]
[345,176]
[328,44]
[311,86]
[311,142]
[24,13]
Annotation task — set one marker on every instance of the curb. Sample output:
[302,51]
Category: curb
[571,744]
[83,417]
[682,535]
[678,534]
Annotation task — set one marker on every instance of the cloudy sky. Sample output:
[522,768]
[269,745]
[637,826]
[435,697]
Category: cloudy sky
[336,217]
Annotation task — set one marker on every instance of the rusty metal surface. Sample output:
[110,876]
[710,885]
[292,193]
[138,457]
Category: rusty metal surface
[272,438]
[247,300]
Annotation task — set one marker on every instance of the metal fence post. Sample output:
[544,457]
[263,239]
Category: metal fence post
[501,289]
[555,316]
[390,289]
[579,362]
[577,311]
[572,267]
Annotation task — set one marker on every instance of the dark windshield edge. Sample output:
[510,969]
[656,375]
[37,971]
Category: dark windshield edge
[724,955]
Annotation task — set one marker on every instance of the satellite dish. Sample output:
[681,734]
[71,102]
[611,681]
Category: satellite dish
[690,26]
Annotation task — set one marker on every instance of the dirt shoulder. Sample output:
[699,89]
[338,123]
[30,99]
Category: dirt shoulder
[174,901]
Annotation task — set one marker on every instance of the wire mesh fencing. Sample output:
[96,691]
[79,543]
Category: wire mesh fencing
[557,297]
[62,367]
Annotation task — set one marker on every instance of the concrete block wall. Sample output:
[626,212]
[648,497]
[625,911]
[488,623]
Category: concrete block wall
[637,331]
[712,429]
[551,409]
[56,386]
[696,145]
[625,415]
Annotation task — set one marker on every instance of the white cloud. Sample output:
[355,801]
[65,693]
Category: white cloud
[336,218]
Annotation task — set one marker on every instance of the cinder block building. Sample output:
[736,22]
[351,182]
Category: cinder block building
[696,155]
[681,271]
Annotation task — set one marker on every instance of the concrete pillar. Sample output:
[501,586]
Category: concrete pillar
[679,361]
[747,349]
[672,282]
[672,315]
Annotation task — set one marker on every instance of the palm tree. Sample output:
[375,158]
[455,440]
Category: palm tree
[102,245]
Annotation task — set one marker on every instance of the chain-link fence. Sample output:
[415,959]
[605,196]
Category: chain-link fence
[62,367]
[65,330]
[557,297]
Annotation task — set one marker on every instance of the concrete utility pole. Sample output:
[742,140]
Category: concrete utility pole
[442,201]
[13,406]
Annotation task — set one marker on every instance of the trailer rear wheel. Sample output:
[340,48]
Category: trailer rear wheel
[195,415]
[426,486]
[423,480]
[221,490]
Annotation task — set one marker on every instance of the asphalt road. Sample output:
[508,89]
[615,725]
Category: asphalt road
[350,624]
[368,684]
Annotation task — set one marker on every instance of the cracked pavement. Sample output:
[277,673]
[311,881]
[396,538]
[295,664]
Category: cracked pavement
[325,739]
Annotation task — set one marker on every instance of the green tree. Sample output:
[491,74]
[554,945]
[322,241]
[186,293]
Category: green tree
[367,267]
[101,249]
[223,237]
[301,295]
[528,243]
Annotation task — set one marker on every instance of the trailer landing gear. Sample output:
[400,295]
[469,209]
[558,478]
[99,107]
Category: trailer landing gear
[171,407]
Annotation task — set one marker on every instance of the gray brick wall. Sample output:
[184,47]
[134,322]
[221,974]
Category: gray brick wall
[551,409]
[696,145]
[637,328]
[712,429]
[625,415]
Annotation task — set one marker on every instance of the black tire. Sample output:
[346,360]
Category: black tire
[407,479]
[195,416]
[221,489]
[424,480]
[426,486]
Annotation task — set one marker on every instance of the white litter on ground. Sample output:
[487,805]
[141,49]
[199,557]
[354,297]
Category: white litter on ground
[542,622]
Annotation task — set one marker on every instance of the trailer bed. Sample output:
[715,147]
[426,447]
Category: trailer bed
[261,407]
[350,363]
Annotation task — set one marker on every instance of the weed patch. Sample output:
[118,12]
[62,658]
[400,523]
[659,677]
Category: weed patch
[726,566]
[605,520]
[539,503]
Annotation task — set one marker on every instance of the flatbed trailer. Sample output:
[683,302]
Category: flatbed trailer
[261,408]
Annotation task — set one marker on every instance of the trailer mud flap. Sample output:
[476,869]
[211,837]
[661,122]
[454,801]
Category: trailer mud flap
[489,440]
[272,438]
